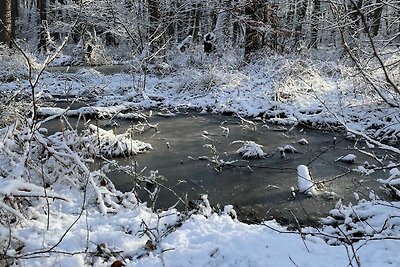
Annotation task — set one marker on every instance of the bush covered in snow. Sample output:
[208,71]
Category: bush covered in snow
[251,149]
[106,143]
[369,220]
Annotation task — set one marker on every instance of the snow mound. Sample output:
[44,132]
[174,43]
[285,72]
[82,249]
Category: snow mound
[251,149]
[305,182]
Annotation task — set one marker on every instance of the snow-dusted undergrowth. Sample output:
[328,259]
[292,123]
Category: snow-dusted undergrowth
[251,149]
[286,90]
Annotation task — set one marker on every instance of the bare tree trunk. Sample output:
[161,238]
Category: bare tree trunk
[196,25]
[301,15]
[253,40]
[289,15]
[6,24]
[15,15]
[154,37]
[221,25]
[377,15]
[315,19]
[41,4]
[355,16]
[398,27]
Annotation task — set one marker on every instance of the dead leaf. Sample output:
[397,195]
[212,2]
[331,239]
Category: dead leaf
[149,245]
[117,263]
[19,249]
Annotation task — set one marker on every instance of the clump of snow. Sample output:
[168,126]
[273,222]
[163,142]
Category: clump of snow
[349,158]
[305,183]
[108,144]
[201,206]
[251,149]
[394,178]
[393,182]
[303,141]
[228,210]
[182,46]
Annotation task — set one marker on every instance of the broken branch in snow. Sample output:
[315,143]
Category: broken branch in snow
[38,196]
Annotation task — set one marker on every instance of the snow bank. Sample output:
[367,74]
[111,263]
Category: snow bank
[13,65]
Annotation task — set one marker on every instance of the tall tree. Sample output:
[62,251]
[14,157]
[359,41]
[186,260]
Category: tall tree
[6,24]
[14,15]
[154,34]
[253,39]
[354,11]
[376,17]
[42,6]
[315,17]
[300,18]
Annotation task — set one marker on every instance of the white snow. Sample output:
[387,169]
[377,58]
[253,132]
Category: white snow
[305,183]
[303,141]
[108,144]
[349,158]
[251,149]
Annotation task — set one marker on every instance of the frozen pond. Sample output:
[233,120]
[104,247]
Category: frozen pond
[185,145]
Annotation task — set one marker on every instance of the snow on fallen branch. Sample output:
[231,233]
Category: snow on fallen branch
[18,188]
[368,220]
[108,144]
[33,165]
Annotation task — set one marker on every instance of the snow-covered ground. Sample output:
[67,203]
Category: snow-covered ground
[56,211]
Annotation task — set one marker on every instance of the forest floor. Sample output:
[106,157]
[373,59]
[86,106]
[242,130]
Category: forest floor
[81,219]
